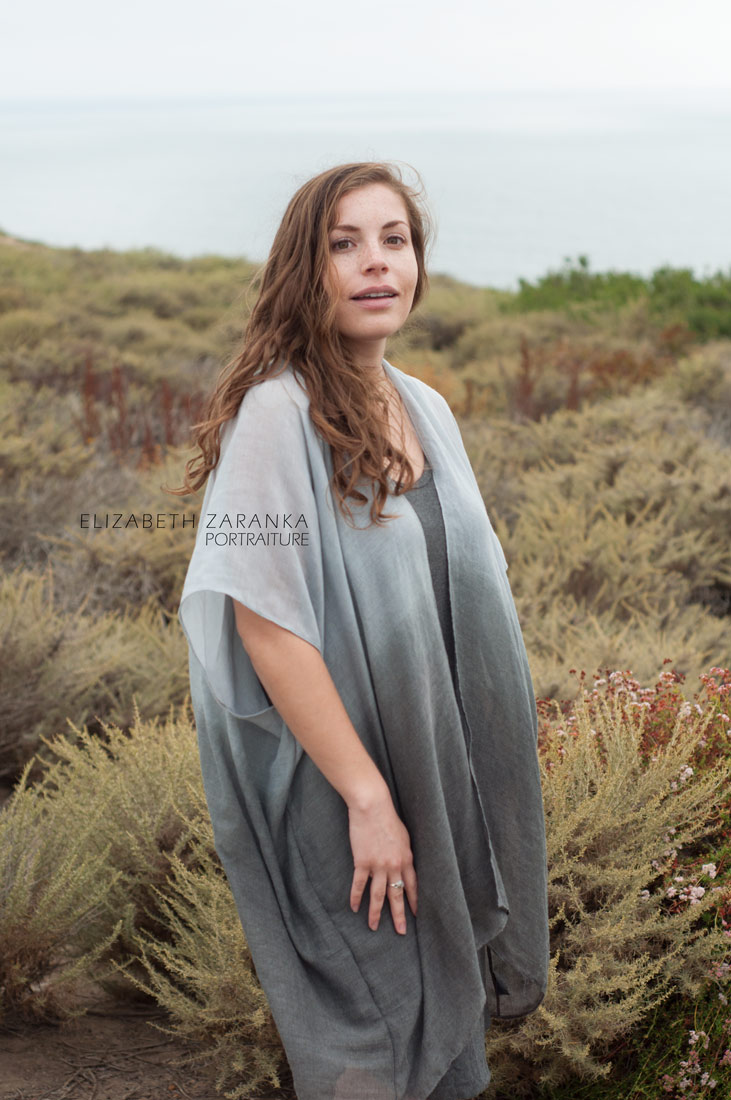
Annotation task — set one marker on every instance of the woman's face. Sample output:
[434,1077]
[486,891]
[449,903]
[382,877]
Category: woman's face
[373,270]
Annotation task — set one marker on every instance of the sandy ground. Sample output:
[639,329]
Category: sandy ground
[107,1054]
[98,1057]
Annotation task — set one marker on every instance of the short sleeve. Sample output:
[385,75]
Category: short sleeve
[258,542]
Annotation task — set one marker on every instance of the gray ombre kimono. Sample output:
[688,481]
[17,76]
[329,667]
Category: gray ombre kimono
[367,1015]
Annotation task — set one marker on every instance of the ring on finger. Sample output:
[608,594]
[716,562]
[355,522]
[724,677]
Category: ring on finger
[397,885]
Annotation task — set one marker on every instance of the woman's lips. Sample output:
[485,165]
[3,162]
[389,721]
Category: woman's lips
[374,303]
[381,302]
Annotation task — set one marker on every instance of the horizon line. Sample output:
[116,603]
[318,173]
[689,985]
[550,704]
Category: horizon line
[383,94]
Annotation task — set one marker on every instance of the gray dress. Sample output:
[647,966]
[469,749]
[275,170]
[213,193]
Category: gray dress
[469,1074]
[450,724]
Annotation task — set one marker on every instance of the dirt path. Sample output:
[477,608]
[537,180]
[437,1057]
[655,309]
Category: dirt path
[105,1055]
[111,1053]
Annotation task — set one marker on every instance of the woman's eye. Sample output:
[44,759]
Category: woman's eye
[342,244]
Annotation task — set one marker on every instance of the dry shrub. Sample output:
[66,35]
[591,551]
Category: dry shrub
[143,553]
[203,976]
[615,523]
[150,670]
[56,919]
[617,821]
[499,335]
[26,327]
[572,634]
[134,414]
[60,665]
[51,663]
[567,374]
[108,868]
[450,310]
[431,367]
[57,488]
[38,438]
[84,854]
[49,473]
[125,812]
[528,373]
[143,788]
[704,379]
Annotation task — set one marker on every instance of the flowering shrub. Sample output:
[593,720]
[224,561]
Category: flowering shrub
[703,1070]
[638,800]
[630,805]
[659,712]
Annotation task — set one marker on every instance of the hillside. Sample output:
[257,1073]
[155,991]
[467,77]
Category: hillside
[596,409]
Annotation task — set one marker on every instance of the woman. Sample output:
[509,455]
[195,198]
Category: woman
[364,707]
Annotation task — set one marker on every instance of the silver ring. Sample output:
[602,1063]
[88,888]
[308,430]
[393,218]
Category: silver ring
[397,885]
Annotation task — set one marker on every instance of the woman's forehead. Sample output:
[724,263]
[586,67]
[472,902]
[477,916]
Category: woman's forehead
[370,202]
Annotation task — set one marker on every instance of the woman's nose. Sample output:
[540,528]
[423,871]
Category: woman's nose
[374,256]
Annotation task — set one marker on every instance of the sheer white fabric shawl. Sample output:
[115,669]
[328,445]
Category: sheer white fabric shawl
[460,760]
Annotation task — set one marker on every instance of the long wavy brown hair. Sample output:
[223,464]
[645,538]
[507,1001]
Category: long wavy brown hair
[293,322]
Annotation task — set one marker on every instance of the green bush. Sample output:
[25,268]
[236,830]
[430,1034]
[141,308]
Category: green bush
[673,294]
[576,283]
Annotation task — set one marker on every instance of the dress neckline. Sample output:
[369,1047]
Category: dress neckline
[420,482]
[425,474]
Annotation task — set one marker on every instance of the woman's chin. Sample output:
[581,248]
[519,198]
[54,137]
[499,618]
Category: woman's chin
[372,332]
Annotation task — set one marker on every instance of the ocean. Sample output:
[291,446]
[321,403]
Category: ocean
[518,182]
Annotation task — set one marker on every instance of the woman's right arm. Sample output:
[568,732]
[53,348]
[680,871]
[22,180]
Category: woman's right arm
[298,682]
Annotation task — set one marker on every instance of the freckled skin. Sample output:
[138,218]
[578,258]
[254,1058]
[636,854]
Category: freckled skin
[371,253]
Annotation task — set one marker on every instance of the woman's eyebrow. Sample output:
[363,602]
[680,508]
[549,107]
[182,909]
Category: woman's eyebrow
[356,229]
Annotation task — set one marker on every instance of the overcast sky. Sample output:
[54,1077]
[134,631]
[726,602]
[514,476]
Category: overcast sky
[179,48]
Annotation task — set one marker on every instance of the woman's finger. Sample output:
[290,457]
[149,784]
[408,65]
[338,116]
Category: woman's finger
[396,898]
[378,896]
[360,879]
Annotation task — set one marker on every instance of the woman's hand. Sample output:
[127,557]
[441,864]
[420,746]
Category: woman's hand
[382,852]
[296,679]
